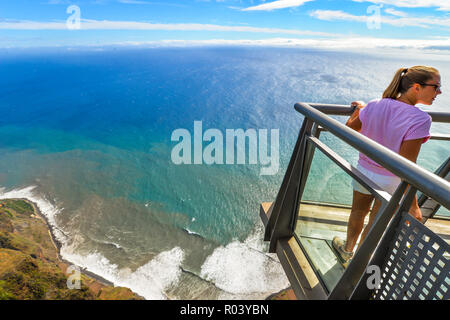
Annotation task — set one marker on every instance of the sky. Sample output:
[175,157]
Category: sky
[315,23]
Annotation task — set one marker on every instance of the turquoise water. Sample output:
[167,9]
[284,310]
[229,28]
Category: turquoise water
[90,131]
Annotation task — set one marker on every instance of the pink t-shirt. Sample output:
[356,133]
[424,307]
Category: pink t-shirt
[390,122]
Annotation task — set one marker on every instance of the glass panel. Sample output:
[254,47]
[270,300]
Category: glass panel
[327,182]
[323,214]
[340,147]
[432,154]
[443,212]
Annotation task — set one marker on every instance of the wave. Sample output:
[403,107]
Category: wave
[150,280]
[108,243]
[192,233]
[240,270]
[243,270]
[44,206]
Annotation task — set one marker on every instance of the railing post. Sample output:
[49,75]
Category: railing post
[279,224]
[307,161]
[274,210]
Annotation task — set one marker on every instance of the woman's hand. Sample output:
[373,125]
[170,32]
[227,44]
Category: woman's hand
[416,213]
[358,104]
[354,122]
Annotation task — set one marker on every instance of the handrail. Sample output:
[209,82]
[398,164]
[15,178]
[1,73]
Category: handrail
[423,180]
[343,110]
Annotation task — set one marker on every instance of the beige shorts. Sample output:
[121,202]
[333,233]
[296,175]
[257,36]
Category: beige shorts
[387,183]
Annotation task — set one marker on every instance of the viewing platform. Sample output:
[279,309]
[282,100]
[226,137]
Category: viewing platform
[412,257]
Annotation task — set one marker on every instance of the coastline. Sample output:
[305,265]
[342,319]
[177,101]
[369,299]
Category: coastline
[58,245]
[278,295]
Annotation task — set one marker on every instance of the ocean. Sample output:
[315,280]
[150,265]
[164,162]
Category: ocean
[86,134]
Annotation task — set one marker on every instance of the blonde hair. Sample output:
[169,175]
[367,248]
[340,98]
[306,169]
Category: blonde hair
[404,78]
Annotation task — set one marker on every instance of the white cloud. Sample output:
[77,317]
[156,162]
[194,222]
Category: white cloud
[133,25]
[396,12]
[436,45]
[443,5]
[330,15]
[348,43]
[423,22]
[280,4]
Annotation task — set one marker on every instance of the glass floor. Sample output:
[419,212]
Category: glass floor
[316,226]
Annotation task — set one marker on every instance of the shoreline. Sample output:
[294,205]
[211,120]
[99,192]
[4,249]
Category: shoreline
[58,245]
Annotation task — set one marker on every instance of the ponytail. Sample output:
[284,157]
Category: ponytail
[393,90]
[404,78]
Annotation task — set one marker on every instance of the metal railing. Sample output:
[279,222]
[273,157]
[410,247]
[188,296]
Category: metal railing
[373,251]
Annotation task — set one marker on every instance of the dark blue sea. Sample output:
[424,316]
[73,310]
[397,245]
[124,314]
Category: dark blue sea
[86,134]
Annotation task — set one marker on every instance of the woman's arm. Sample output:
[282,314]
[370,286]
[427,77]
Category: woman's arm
[410,150]
[354,122]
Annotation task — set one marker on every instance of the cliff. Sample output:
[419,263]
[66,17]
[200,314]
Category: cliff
[30,266]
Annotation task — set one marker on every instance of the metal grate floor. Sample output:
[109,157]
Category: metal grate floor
[417,265]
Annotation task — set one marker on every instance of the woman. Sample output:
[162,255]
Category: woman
[397,124]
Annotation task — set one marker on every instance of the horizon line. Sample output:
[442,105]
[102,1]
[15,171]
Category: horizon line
[363,43]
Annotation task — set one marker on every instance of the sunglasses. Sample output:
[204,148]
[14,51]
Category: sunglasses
[437,87]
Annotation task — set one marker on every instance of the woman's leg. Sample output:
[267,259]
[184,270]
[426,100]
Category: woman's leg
[372,217]
[360,208]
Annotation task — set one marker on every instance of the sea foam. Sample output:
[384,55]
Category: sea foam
[244,270]
[45,207]
[150,280]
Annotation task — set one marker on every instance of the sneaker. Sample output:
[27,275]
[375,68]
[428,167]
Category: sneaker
[339,246]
